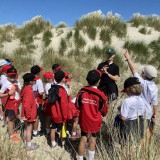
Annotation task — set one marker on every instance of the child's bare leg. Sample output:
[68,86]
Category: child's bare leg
[29,134]
[81,148]
[53,142]
[10,127]
[75,123]
[92,148]
[35,126]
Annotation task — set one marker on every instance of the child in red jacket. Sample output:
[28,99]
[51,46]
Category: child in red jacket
[29,109]
[59,110]
[92,105]
[38,90]
[49,80]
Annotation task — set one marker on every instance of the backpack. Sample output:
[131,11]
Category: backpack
[53,94]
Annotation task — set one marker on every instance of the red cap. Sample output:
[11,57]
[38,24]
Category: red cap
[48,75]
[5,68]
[67,77]
[58,68]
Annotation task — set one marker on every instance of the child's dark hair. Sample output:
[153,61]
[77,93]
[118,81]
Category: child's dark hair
[59,75]
[93,77]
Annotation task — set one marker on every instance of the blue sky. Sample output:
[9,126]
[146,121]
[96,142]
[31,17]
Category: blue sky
[18,11]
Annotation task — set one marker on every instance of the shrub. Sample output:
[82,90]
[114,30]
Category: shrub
[5,36]
[105,36]
[79,41]
[59,32]
[91,31]
[143,30]
[47,35]
[138,20]
[139,49]
[62,47]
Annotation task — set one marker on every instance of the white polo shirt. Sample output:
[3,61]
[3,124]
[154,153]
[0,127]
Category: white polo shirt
[132,107]
[38,87]
[149,94]
[8,86]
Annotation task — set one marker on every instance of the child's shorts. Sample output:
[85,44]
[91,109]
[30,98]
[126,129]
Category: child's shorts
[57,126]
[10,114]
[150,123]
[89,134]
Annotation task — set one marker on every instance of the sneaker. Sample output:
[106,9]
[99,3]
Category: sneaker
[75,136]
[15,138]
[36,135]
[33,146]
[54,146]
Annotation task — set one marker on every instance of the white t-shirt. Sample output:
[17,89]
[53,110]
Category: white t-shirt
[3,79]
[7,86]
[132,107]
[38,87]
[149,94]
[47,87]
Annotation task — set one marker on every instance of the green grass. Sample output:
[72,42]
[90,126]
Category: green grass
[79,41]
[47,35]
[143,30]
[69,35]
[105,36]
[154,22]
[139,50]
[138,20]
[61,25]
[92,32]
[62,47]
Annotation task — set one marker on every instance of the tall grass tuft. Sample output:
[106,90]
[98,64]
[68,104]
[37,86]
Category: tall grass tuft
[47,35]
[154,21]
[69,35]
[116,25]
[61,25]
[139,49]
[143,30]
[92,32]
[79,41]
[138,20]
[105,36]
[62,47]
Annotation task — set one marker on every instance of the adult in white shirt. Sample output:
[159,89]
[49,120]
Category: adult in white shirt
[132,110]
[149,90]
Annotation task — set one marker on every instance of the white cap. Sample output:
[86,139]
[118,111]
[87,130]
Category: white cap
[3,62]
[140,69]
[150,71]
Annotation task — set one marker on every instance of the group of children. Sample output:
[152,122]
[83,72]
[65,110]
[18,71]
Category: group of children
[53,106]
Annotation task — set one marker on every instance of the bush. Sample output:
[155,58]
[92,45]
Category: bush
[47,35]
[105,36]
[5,36]
[139,49]
[91,31]
[62,47]
[79,41]
[143,30]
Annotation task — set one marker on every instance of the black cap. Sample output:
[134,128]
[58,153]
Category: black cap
[111,52]
[59,75]
[36,69]
[56,67]
[130,82]
[29,77]
[93,77]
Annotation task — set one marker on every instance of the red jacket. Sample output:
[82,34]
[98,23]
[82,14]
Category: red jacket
[59,111]
[88,102]
[29,108]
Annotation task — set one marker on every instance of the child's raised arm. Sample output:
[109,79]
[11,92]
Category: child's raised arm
[130,63]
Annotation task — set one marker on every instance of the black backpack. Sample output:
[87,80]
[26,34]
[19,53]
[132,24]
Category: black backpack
[53,94]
